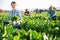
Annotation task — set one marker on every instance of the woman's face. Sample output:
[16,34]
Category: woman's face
[51,8]
[13,6]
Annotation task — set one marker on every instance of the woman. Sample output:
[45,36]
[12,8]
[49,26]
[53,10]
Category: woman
[52,13]
[27,12]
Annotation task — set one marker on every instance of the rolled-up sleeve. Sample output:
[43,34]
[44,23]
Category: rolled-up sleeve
[47,14]
[19,14]
[10,14]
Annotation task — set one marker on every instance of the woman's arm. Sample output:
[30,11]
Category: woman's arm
[47,14]
[19,14]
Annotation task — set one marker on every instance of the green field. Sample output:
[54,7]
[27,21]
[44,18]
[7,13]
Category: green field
[34,27]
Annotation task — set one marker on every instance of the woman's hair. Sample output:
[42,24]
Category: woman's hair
[50,7]
[13,2]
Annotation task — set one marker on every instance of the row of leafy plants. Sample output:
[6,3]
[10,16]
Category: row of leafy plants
[43,25]
[15,34]
[33,28]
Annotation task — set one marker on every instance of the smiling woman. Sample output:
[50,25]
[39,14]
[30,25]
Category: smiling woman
[29,4]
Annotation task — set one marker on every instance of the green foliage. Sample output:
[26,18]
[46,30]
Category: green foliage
[14,18]
[33,28]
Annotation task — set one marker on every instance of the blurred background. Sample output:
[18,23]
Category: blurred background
[30,4]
